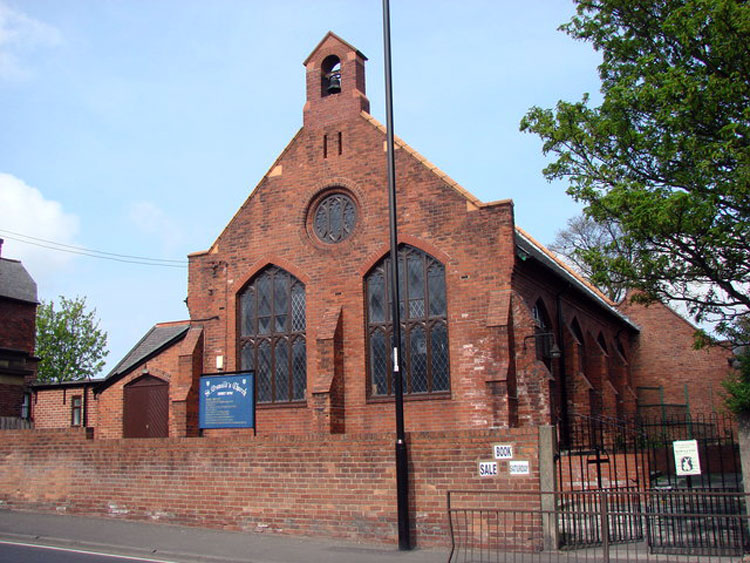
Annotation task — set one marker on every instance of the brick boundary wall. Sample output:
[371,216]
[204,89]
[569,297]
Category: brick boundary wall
[339,486]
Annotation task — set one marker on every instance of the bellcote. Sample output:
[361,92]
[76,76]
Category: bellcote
[335,82]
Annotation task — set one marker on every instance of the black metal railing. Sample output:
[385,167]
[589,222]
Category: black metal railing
[579,524]
[677,526]
[697,522]
[610,454]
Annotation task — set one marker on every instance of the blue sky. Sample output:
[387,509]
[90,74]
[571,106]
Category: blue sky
[138,127]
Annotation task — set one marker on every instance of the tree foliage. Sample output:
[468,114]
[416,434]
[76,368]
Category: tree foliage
[69,343]
[582,241]
[666,156]
[737,385]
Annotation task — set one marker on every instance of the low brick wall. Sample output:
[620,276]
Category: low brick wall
[342,486]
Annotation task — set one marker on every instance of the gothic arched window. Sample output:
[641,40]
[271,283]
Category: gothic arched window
[580,343]
[544,337]
[424,325]
[271,341]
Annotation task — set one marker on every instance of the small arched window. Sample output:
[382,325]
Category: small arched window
[424,325]
[621,350]
[544,337]
[271,329]
[602,344]
[575,328]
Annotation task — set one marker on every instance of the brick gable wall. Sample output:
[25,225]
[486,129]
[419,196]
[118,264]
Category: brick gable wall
[274,227]
[110,425]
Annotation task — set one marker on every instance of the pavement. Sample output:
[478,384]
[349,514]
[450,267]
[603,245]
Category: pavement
[182,544]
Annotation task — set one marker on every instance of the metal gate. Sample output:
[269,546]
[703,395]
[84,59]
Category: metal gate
[600,455]
[637,455]
[146,408]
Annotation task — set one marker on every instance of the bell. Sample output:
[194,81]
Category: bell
[334,83]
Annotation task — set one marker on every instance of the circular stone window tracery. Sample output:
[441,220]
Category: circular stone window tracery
[334,218]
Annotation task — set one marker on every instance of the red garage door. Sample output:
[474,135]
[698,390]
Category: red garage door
[146,408]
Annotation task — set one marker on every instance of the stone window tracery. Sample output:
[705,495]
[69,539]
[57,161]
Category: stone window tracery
[334,218]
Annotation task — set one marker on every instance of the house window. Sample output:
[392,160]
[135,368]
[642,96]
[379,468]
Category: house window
[272,335]
[76,411]
[424,326]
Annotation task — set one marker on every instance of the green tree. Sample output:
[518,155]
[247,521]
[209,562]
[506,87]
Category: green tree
[582,240]
[69,343]
[666,156]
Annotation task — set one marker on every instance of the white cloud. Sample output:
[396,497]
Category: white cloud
[25,211]
[149,219]
[20,34]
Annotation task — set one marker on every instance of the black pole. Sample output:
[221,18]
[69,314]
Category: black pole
[402,466]
[563,423]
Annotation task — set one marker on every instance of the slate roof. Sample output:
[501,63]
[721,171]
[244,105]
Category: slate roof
[160,336]
[15,281]
[530,248]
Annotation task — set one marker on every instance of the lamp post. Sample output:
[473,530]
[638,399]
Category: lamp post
[402,465]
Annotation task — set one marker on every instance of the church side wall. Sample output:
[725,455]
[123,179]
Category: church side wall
[598,381]
[340,486]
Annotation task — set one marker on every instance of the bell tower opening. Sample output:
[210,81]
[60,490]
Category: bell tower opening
[335,82]
[330,75]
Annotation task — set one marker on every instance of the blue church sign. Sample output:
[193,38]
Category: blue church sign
[227,400]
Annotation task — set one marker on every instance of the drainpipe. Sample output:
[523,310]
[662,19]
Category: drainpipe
[85,407]
[562,371]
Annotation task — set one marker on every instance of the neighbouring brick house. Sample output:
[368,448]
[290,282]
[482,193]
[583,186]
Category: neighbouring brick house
[497,332]
[18,302]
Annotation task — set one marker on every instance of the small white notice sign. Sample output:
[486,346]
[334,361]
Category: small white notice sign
[686,458]
[518,467]
[488,469]
[503,451]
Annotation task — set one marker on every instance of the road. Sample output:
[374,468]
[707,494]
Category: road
[14,552]
[149,542]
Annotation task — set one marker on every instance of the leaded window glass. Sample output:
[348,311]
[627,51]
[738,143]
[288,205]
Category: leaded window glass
[424,325]
[272,335]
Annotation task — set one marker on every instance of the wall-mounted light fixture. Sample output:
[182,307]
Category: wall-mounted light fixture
[549,348]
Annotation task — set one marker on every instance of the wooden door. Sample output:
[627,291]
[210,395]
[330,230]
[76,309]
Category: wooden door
[146,408]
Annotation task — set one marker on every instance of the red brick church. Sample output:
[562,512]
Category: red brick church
[497,332]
